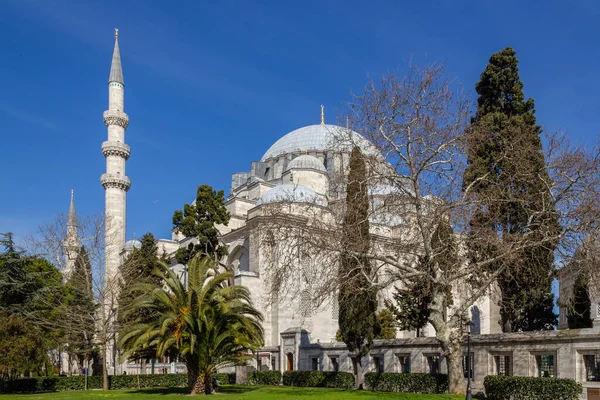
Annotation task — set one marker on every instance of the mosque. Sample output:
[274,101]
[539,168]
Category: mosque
[305,170]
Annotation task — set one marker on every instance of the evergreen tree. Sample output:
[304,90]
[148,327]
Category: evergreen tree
[385,325]
[137,269]
[580,309]
[411,303]
[357,296]
[507,173]
[79,319]
[198,220]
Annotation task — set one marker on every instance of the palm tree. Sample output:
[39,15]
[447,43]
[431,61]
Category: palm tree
[210,324]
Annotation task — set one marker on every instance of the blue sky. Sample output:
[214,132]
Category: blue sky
[210,85]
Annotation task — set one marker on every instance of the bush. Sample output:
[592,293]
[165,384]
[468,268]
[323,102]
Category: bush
[528,388]
[271,378]
[224,379]
[340,380]
[408,383]
[69,383]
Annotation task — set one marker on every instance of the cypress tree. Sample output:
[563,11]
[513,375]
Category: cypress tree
[357,297]
[137,268]
[80,324]
[507,174]
[579,315]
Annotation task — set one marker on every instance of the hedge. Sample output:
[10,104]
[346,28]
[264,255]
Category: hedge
[271,378]
[528,388]
[68,383]
[340,380]
[223,379]
[408,383]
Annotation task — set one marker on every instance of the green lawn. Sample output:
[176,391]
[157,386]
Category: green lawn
[233,392]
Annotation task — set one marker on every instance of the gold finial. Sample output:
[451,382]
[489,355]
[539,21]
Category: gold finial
[322,114]
[116,33]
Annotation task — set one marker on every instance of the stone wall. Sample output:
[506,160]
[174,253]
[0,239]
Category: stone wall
[561,354]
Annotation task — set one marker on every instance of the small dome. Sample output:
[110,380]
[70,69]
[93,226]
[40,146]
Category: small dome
[306,162]
[132,244]
[318,138]
[289,192]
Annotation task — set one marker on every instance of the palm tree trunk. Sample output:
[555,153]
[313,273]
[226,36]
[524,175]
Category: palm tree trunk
[196,380]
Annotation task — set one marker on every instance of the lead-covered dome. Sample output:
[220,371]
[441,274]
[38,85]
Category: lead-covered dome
[318,138]
[292,193]
[306,162]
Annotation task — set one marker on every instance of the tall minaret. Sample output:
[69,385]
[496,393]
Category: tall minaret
[115,182]
[72,243]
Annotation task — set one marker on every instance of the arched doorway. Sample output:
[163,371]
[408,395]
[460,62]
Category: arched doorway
[290,362]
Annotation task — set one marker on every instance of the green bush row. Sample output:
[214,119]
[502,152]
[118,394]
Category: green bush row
[68,383]
[340,380]
[224,379]
[271,378]
[528,388]
[408,383]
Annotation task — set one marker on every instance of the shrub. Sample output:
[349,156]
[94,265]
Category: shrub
[341,380]
[224,379]
[271,378]
[69,383]
[529,388]
[408,383]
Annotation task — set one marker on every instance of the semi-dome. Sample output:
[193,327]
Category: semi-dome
[306,161]
[290,192]
[318,138]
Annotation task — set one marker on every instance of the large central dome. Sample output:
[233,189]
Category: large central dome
[318,138]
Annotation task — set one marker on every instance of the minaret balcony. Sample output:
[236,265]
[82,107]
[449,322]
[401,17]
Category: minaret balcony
[115,181]
[112,148]
[115,117]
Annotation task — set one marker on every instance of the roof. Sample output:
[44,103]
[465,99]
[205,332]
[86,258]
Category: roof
[319,138]
[116,71]
[72,218]
[306,162]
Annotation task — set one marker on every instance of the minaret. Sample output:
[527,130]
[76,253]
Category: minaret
[72,243]
[115,182]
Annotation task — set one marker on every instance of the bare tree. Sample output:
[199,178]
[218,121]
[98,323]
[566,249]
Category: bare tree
[53,242]
[417,125]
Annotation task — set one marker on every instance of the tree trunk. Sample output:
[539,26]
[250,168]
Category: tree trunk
[104,368]
[453,353]
[359,374]
[197,381]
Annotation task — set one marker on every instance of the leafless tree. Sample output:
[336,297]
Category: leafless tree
[52,242]
[418,123]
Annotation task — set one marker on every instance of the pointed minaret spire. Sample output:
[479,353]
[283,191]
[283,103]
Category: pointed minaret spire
[322,114]
[72,220]
[116,72]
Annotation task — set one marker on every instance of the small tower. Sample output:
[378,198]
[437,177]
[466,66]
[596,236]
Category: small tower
[115,181]
[72,244]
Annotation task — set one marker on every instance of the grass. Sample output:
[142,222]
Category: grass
[234,392]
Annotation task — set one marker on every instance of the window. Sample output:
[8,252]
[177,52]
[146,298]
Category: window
[335,365]
[503,365]
[273,363]
[592,367]
[433,363]
[545,365]
[315,363]
[378,362]
[467,364]
[335,308]
[404,363]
